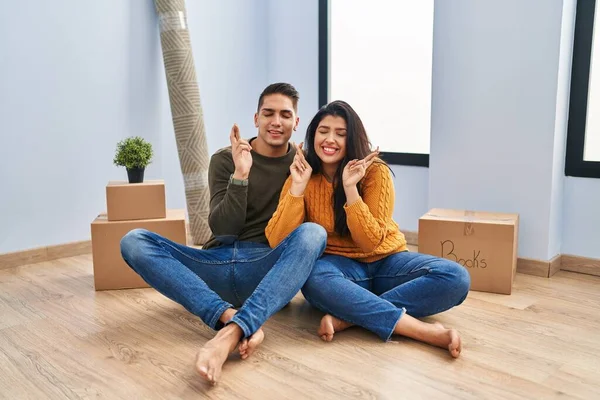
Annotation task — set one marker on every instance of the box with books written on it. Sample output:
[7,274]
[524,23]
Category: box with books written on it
[484,243]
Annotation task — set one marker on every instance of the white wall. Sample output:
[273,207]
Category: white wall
[560,128]
[501,86]
[69,90]
[581,217]
[412,192]
[76,77]
[493,111]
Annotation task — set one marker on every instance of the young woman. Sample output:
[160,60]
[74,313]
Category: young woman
[366,277]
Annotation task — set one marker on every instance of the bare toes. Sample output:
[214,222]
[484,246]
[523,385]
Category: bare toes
[252,343]
[203,372]
[455,346]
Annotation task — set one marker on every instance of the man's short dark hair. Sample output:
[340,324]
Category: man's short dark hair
[280,88]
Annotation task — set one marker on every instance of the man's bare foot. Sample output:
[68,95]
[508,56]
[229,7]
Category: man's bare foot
[211,357]
[330,325]
[248,345]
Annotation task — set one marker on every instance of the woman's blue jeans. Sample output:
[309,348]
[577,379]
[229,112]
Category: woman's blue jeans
[376,295]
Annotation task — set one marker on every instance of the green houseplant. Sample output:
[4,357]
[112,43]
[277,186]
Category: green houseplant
[134,153]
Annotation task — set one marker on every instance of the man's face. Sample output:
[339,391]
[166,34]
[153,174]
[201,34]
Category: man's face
[276,120]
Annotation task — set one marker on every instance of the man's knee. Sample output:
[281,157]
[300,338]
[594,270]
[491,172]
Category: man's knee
[310,235]
[131,243]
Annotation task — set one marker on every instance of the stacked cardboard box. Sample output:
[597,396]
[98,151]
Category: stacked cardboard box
[130,206]
[484,243]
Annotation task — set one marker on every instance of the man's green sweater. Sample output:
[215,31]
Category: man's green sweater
[242,212]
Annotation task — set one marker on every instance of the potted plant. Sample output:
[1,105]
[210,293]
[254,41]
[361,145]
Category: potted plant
[134,153]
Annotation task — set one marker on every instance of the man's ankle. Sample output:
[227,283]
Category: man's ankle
[227,315]
[231,334]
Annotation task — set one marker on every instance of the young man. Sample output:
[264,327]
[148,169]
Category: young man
[236,282]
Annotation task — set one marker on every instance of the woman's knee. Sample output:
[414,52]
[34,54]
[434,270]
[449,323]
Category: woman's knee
[459,277]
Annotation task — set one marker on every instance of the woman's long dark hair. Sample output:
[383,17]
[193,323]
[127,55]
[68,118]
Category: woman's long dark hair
[357,147]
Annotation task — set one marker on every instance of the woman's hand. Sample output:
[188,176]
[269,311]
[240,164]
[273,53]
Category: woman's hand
[355,170]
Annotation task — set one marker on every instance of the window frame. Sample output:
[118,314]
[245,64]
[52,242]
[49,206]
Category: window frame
[575,165]
[409,159]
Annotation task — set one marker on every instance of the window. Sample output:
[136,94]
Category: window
[583,137]
[377,56]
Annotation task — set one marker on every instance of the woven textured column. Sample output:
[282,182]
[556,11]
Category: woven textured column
[187,114]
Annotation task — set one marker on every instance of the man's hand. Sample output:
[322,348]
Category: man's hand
[300,171]
[240,151]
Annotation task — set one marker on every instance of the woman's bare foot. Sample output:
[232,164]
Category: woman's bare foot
[330,325]
[211,357]
[448,338]
[248,345]
[435,334]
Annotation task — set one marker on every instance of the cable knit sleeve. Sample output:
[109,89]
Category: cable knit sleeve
[368,217]
[288,216]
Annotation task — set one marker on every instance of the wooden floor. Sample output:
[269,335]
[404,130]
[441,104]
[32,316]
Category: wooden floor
[59,339]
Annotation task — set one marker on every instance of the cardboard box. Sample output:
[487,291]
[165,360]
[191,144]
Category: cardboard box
[126,201]
[484,243]
[110,270]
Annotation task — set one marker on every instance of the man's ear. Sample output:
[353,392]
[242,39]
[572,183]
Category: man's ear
[297,122]
[256,120]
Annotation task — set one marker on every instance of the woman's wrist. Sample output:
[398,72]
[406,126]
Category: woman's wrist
[297,189]
[352,195]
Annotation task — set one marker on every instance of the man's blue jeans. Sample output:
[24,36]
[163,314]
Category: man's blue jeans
[250,276]
[375,295]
